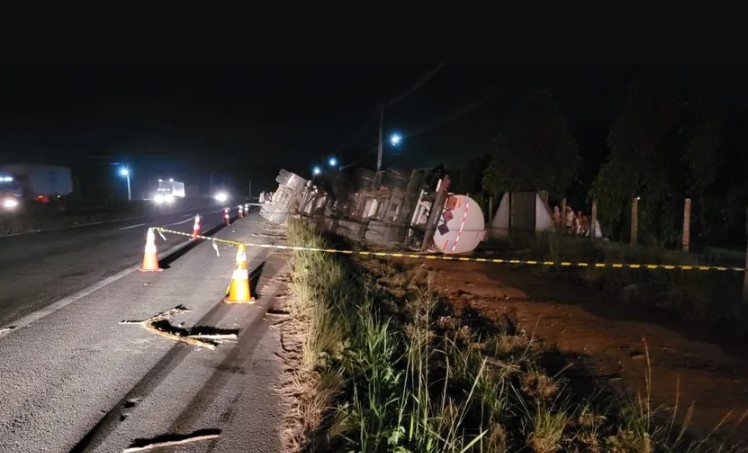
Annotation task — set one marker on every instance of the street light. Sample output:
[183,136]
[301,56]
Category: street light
[396,139]
[316,170]
[333,162]
[124,171]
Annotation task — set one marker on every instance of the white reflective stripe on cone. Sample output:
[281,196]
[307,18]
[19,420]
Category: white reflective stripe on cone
[240,274]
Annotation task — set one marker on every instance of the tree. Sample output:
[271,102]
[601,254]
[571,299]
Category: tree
[535,151]
[664,147]
[470,173]
[468,179]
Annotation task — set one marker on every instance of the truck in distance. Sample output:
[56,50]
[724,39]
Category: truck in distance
[168,191]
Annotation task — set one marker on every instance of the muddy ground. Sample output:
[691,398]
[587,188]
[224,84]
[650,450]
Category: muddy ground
[618,342]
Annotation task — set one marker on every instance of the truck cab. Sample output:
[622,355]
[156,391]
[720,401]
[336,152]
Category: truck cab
[168,191]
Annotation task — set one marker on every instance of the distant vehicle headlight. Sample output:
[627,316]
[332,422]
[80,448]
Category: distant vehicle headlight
[158,198]
[222,196]
[169,198]
[10,203]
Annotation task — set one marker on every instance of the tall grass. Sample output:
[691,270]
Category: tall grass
[409,373]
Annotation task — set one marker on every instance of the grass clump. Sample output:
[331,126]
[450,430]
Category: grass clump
[397,368]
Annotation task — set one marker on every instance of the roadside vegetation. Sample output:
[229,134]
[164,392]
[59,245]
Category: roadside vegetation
[392,366]
[709,297]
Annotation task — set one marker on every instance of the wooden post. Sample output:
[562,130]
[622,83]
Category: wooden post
[509,211]
[634,220]
[490,211]
[593,220]
[686,224]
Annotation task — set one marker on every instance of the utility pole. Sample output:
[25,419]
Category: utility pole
[381,131]
[127,175]
[250,190]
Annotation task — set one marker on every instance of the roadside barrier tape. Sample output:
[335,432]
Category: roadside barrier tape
[684,267]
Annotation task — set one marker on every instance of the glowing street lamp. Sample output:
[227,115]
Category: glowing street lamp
[125,172]
[316,170]
[396,139]
[333,162]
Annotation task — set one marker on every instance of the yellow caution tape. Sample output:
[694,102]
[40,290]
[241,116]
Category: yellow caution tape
[683,267]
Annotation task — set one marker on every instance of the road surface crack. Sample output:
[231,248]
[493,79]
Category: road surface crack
[203,336]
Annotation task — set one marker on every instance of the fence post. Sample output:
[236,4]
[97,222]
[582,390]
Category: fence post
[490,211]
[593,219]
[634,220]
[686,224]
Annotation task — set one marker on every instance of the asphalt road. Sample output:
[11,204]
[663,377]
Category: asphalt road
[39,268]
[76,380]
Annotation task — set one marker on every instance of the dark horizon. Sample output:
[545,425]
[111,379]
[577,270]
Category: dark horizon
[258,118]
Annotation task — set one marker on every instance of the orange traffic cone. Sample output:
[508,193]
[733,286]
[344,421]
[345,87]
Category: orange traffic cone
[241,211]
[238,292]
[225,216]
[196,229]
[150,258]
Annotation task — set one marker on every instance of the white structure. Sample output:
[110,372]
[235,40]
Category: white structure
[528,211]
[524,211]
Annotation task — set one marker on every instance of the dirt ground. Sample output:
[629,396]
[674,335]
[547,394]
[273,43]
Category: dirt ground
[611,337]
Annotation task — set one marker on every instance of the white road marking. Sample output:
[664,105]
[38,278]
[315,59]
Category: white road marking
[182,221]
[132,226]
[64,302]
[191,217]
[88,224]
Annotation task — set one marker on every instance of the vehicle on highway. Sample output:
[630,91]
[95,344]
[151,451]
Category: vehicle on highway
[22,184]
[168,191]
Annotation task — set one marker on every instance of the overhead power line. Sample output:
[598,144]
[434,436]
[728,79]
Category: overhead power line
[377,110]
[467,109]
[451,117]
[419,83]
[361,129]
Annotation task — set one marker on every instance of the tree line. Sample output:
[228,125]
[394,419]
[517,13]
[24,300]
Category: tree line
[671,141]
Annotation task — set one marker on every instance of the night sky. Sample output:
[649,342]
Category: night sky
[246,121]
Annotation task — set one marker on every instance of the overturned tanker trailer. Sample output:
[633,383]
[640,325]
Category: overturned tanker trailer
[286,199]
[390,208]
